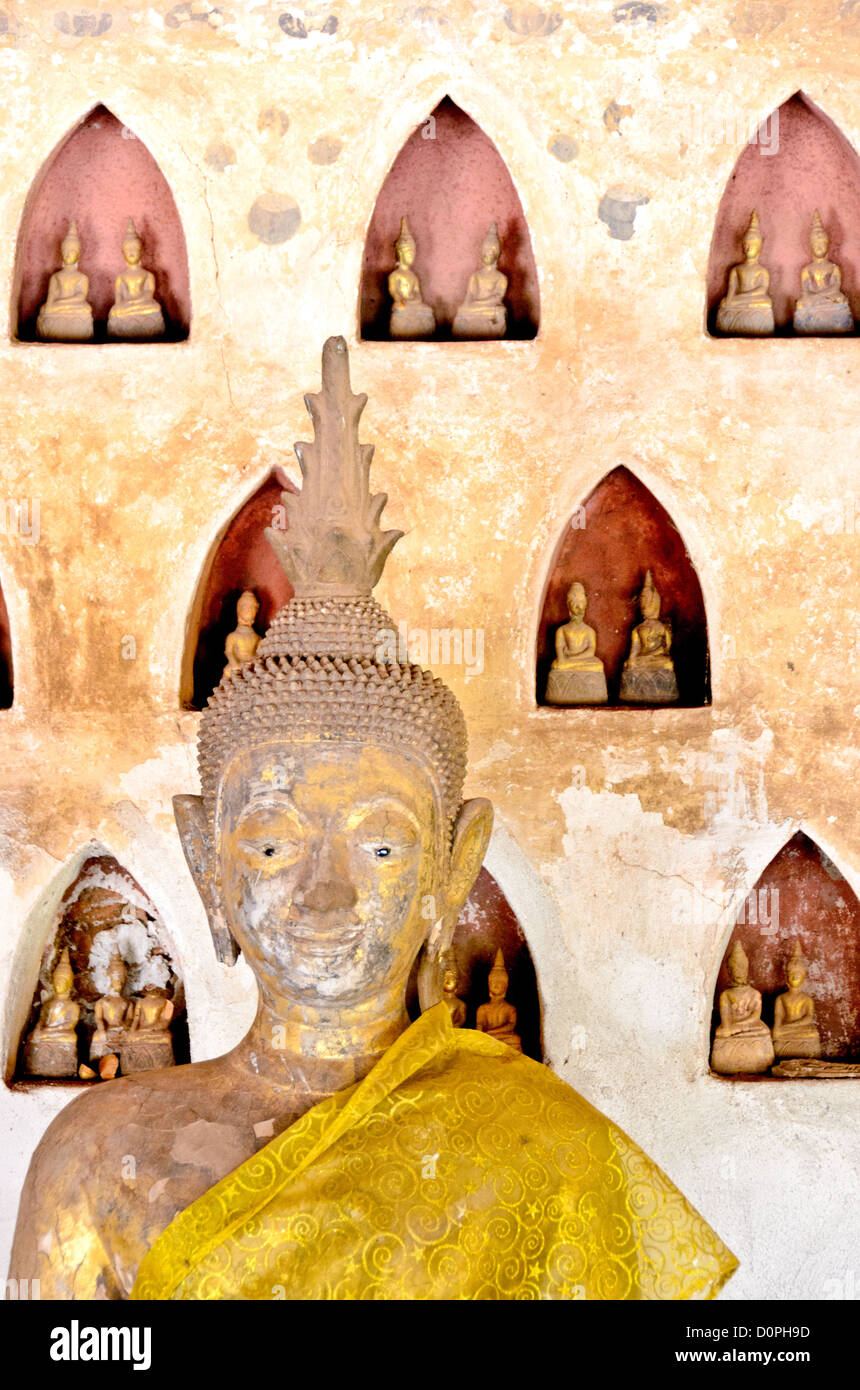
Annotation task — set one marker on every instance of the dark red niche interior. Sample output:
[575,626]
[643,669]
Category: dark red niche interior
[818,907]
[627,532]
[814,167]
[99,176]
[450,188]
[486,923]
[6,680]
[242,560]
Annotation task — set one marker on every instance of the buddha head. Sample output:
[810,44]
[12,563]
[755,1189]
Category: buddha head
[117,973]
[498,978]
[819,241]
[63,977]
[132,247]
[795,969]
[449,981]
[331,844]
[404,246]
[491,247]
[739,966]
[247,608]
[576,600]
[752,239]
[70,246]
[649,599]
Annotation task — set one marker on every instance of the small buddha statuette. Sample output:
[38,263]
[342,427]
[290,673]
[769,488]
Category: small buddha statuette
[822,307]
[747,307]
[498,1017]
[241,646]
[136,312]
[111,1013]
[147,1043]
[482,313]
[742,1042]
[52,1047]
[576,676]
[66,316]
[456,1006]
[648,674]
[795,1032]
[410,316]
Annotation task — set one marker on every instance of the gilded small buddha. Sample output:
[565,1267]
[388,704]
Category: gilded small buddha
[742,1042]
[648,674]
[241,646]
[498,1017]
[147,1043]
[410,316]
[576,676]
[747,307]
[482,313]
[795,1032]
[52,1047]
[66,315]
[822,307]
[136,313]
[111,1012]
[456,1006]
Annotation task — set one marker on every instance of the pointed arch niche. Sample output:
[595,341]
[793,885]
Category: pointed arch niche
[240,558]
[103,911]
[803,894]
[619,533]
[801,162]
[100,175]
[450,181]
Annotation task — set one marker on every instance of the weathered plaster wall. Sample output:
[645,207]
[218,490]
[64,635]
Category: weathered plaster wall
[619,833]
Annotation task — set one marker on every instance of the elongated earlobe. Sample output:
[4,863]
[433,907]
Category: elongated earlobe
[196,837]
[471,837]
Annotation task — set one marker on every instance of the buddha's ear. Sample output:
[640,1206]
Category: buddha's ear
[195,834]
[471,837]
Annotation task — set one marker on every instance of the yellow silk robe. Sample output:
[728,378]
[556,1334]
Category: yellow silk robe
[456,1169]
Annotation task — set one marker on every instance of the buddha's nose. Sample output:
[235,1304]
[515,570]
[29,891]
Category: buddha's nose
[325,887]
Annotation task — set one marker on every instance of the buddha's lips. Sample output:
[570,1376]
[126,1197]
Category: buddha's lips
[320,940]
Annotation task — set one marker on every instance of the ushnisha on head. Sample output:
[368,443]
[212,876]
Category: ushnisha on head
[649,599]
[752,238]
[796,967]
[331,843]
[819,241]
[70,246]
[491,247]
[404,246]
[63,977]
[132,246]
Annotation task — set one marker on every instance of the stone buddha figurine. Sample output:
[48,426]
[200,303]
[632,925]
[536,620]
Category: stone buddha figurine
[410,316]
[136,313]
[795,1032]
[456,1006]
[747,306]
[111,1013]
[822,307]
[52,1047]
[576,676]
[482,313]
[648,674]
[66,315]
[147,1043]
[332,846]
[242,644]
[742,1042]
[498,1017]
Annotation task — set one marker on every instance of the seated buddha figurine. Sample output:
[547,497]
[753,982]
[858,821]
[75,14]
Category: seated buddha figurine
[147,1043]
[331,814]
[136,313]
[52,1047]
[576,676]
[822,307]
[648,674]
[747,307]
[795,1032]
[482,313]
[111,1013]
[498,1017]
[742,1042]
[242,644]
[456,1007]
[66,315]
[410,316]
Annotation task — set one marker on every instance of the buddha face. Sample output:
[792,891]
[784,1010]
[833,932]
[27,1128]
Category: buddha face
[70,251]
[405,252]
[62,980]
[450,982]
[752,246]
[576,601]
[131,249]
[498,984]
[649,602]
[246,609]
[116,977]
[819,243]
[795,975]
[489,253]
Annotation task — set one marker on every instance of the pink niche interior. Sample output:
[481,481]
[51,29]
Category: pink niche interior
[6,682]
[451,183]
[241,559]
[798,147]
[98,177]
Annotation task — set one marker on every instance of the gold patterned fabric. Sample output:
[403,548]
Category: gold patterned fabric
[456,1169]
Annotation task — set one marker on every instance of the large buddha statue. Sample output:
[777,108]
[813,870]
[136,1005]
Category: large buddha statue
[576,676]
[410,316]
[795,1032]
[497,1017]
[136,313]
[747,307]
[822,307]
[742,1042]
[52,1047]
[332,847]
[648,674]
[66,315]
[482,313]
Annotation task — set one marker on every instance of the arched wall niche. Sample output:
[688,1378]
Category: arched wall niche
[613,538]
[803,896]
[100,910]
[800,162]
[100,175]
[451,182]
[240,558]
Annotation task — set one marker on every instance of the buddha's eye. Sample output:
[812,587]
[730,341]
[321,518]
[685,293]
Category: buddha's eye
[269,850]
[382,851]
